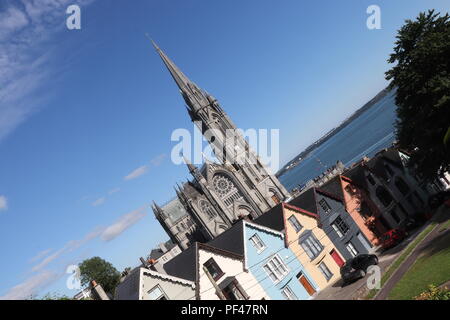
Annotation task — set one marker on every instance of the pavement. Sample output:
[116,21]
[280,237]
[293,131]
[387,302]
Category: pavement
[358,289]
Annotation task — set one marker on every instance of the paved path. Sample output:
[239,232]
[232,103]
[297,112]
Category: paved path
[407,264]
[358,289]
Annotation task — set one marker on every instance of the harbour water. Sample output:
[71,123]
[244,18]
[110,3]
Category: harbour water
[370,132]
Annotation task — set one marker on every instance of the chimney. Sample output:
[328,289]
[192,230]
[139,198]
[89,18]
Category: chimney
[144,263]
[163,247]
[93,283]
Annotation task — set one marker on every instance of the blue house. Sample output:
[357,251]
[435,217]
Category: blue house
[266,256]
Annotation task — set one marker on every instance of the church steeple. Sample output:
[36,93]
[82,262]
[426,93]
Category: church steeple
[195,97]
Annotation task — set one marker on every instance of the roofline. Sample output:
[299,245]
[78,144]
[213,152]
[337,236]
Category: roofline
[262,228]
[327,194]
[220,251]
[167,277]
[300,210]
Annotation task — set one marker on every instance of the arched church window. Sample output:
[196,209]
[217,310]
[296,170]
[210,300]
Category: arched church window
[401,186]
[384,196]
[274,196]
[206,209]
[226,189]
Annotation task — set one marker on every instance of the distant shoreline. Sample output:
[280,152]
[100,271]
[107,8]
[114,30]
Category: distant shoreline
[297,159]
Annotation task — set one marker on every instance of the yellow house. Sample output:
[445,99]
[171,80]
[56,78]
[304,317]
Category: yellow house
[309,242]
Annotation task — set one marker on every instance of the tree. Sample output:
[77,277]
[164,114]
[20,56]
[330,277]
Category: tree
[101,271]
[421,77]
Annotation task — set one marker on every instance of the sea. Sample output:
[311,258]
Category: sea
[365,135]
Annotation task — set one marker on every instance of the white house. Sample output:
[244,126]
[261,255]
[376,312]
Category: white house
[144,284]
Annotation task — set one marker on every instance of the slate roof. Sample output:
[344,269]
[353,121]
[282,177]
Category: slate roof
[231,240]
[158,253]
[174,209]
[334,187]
[306,201]
[272,219]
[183,265]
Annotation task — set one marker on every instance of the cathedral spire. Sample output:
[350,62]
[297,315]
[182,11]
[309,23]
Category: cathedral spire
[181,80]
[195,97]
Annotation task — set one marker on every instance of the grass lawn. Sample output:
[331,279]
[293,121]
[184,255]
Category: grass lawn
[429,269]
[396,264]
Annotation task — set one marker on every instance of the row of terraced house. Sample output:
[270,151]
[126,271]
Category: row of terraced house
[295,249]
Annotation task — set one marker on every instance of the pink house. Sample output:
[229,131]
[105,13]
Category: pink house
[359,205]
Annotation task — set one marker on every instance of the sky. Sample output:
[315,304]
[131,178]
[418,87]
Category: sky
[86,116]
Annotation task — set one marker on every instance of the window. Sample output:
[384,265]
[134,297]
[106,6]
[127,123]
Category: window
[276,269]
[213,269]
[370,179]
[234,291]
[156,294]
[206,208]
[258,243]
[401,186]
[311,245]
[294,222]
[395,216]
[325,206]
[389,170]
[384,196]
[340,227]
[351,248]
[288,294]
[325,271]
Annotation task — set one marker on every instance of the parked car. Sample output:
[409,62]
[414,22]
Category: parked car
[415,222]
[392,238]
[439,198]
[356,268]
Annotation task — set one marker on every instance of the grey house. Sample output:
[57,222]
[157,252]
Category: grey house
[336,221]
[391,185]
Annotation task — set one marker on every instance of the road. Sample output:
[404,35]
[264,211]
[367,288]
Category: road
[358,289]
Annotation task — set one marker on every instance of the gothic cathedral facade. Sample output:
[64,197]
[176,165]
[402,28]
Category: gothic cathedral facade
[239,186]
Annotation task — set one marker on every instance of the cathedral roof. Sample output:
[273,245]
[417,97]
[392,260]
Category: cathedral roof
[174,210]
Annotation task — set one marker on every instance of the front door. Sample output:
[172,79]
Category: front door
[306,284]
[337,258]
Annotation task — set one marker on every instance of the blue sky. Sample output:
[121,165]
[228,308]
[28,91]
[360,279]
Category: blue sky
[86,115]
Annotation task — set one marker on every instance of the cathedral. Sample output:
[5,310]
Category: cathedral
[219,194]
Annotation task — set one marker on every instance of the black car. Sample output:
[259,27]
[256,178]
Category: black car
[356,268]
[437,199]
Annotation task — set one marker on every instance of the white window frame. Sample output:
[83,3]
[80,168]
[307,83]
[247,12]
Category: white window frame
[326,273]
[157,287]
[259,245]
[288,293]
[294,223]
[324,205]
[274,271]
[351,248]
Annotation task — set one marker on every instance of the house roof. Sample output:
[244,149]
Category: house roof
[231,240]
[272,218]
[333,187]
[306,201]
[167,277]
[183,265]
[158,253]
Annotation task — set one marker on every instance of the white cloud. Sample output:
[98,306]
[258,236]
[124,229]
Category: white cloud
[125,222]
[44,278]
[40,255]
[31,286]
[99,202]
[137,173]
[46,261]
[26,56]
[3,203]
[156,161]
[115,190]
